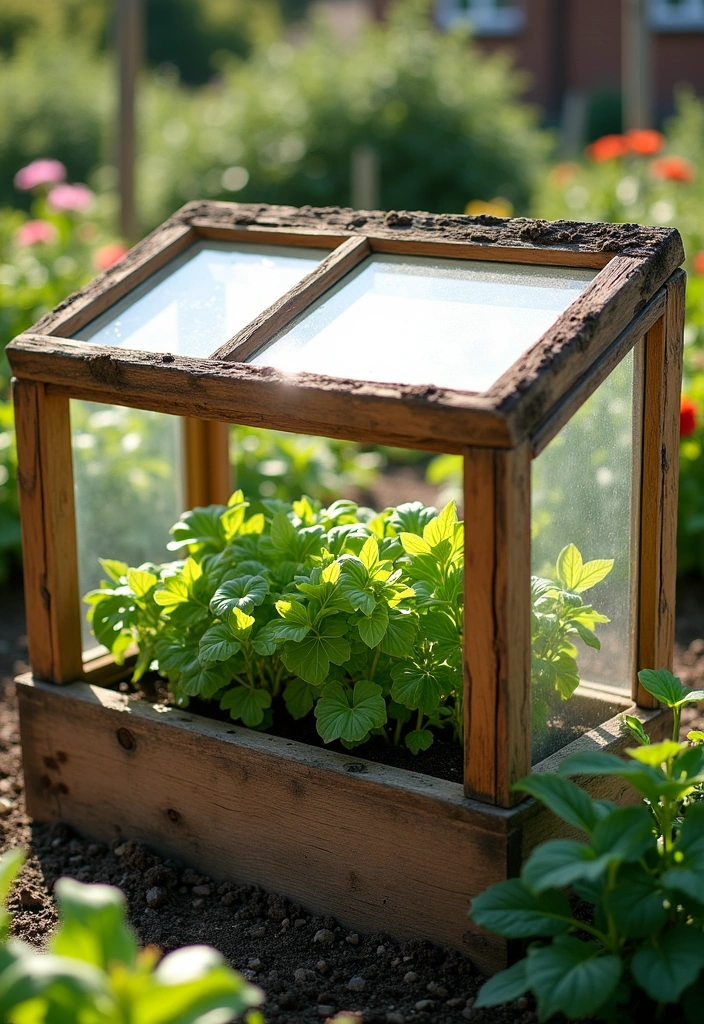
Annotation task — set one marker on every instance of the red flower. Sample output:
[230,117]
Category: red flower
[698,263]
[36,232]
[608,147]
[644,141]
[672,168]
[108,255]
[688,417]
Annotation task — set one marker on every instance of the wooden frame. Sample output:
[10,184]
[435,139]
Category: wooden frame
[636,296]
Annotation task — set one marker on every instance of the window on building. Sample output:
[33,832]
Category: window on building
[485,17]
[677,14]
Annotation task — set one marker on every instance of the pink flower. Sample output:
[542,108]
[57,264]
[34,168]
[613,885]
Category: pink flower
[108,255]
[36,232]
[39,172]
[71,197]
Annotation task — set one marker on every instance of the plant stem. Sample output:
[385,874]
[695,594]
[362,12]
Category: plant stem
[397,732]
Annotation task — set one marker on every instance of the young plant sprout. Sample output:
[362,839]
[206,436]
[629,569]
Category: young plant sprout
[351,615]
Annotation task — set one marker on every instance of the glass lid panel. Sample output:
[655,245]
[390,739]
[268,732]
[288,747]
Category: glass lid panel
[418,320]
[202,298]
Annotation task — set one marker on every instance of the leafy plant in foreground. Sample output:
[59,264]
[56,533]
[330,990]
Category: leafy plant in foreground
[95,973]
[350,615]
[641,871]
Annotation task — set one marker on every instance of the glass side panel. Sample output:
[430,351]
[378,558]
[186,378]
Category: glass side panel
[416,320]
[128,485]
[202,298]
[582,499]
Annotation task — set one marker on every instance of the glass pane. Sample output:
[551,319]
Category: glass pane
[582,495]
[416,320]
[202,298]
[128,485]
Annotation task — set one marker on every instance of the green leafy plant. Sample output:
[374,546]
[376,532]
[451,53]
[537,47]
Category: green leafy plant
[95,972]
[353,616]
[638,954]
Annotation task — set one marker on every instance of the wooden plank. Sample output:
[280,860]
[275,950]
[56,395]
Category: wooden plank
[45,481]
[529,391]
[660,472]
[597,373]
[144,259]
[430,419]
[338,834]
[497,709]
[284,310]
[533,256]
[307,239]
[207,472]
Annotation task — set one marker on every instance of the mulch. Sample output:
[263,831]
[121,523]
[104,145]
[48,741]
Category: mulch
[310,968]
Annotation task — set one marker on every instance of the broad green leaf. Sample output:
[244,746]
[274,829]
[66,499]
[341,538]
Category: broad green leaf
[310,657]
[205,680]
[372,628]
[10,863]
[200,528]
[400,634]
[299,697]
[512,910]
[593,572]
[175,591]
[670,964]
[588,636]
[414,545]
[571,977]
[111,616]
[369,555]
[240,623]
[233,519]
[504,987]
[569,567]
[412,517]
[283,533]
[419,739]
[657,754]
[417,688]
[665,687]
[32,976]
[193,985]
[636,903]
[117,571]
[356,587]
[647,780]
[294,612]
[141,582]
[253,526]
[566,675]
[695,736]
[93,925]
[246,704]
[565,799]
[625,834]
[217,644]
[331,573]
[693,696]
[442,527]
[350,714]
[557,863]
[688,874]
[245,593]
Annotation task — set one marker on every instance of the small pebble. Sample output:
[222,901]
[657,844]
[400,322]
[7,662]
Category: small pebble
[356,983]
[255,965]
[257,932]
[56,843]
[322,967]
[302,975]
[352,939]
[424,1005]
[5,786]
[437,990]
[94,850]
[300,922]
[326,1011]
[410,978]
[380,950]
[324,936]
[522,1003]
[5,806]
[396,961]
[156,897]
[198,904]
[248,975]
[457,1003]
[201,890]
[120,850]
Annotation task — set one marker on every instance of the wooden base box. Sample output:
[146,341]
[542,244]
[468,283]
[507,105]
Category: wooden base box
[379,848]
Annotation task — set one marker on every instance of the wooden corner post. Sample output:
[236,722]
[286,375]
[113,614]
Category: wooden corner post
[206,462]
[659,482]
[45,483]
[497,700]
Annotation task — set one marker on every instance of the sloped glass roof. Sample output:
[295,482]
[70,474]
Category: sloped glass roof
[425,321]
[202,298]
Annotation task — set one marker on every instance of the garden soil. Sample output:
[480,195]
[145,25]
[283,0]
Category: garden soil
[309,967]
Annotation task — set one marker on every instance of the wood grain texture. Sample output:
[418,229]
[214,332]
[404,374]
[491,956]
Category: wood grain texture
[337,834]
[285,309]
[497,712]
[660,475]
[407,416]
[207,471]
[50,561]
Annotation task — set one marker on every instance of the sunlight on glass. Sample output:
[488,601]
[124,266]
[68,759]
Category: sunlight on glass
[416,320]
[202,298]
